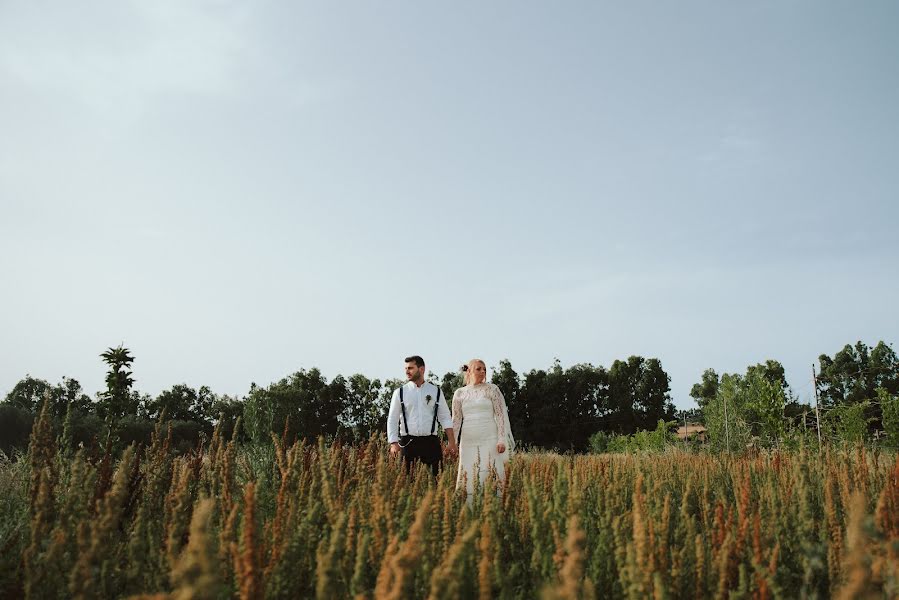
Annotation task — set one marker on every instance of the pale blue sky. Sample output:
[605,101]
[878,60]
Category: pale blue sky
[236,191]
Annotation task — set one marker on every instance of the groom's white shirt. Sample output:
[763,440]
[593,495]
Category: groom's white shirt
[419,412]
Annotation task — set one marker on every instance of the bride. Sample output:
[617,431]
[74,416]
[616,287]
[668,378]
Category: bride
[481,417]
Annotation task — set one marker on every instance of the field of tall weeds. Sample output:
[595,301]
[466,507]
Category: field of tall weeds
[329,521]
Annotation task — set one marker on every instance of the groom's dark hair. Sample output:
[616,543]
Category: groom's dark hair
[419,361]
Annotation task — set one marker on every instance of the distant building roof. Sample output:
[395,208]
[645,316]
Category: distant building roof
[690,430]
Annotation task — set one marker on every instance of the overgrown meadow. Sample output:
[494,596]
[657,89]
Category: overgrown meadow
[331,521]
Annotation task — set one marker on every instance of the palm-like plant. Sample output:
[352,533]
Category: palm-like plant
[115,401]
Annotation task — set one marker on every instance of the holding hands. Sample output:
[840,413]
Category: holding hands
[451,450]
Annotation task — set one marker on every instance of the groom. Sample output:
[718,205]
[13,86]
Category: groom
[415,410]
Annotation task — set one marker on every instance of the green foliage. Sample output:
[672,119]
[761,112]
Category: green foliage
[890,406]
[86,430]
[600,441]
[226,410]
[258,414]
[765,399]
[183,403]
[117,401]
[853,376]
[453,380]
[15,428]
[302,405]
[554,408]
[725,416]
[507,380]
[13,522]
[747,409]
[848,423]
[798,414]
[366,408]
[557,408]
[772,372]
[561,408]
[639,394]
[799,437]
[656,440]
[30,392]
[582,407]
[705,390]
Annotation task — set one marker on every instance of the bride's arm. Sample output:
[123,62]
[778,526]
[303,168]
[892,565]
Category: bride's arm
[457,411]
[496,397]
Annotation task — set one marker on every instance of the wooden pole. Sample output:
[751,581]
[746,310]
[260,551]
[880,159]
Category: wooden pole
[817,410]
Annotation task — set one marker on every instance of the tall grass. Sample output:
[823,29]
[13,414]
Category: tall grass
[318,521]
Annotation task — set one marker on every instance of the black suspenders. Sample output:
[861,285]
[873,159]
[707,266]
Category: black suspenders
[403,408]
[433,421]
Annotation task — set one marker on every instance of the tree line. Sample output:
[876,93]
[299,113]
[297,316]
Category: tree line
[555,408]
[857,393]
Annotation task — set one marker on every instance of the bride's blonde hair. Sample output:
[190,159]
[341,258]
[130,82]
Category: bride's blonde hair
[468,370]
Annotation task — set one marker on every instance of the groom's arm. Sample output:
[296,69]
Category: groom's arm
[393,422]
[451,447]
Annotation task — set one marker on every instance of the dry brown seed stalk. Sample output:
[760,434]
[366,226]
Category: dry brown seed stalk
[195,576]
[248,557]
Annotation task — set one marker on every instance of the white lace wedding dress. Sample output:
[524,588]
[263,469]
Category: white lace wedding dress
[480,410]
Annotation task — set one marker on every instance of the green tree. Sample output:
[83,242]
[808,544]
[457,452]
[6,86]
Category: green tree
[855,372]
[562,408]
[639,394]
[183,403]
[258,414]
[747,407]
[542,396]
[304,403]
[890,406]
[387,394]
[556,408]
[848,423]
[29,393]
[797,414]
[725,416]
[331,405]
[853,375]
[771,371]
[15,428]
[765,398]
[705,390]
[366,409]
[506,379]
[117,401]
[451,381]
[226,411]
[641,441]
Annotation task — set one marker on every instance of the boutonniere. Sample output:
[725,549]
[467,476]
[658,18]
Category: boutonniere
[428,399]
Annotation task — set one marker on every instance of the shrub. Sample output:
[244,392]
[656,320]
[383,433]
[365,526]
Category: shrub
[15,427]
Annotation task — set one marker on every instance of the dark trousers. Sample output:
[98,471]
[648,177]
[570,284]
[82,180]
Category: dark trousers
[425,449]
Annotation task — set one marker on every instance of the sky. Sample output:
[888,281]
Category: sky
[236,191]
